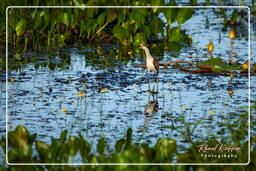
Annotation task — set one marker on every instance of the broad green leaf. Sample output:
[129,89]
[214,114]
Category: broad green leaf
[139,38]
[165,148]
[120,32]
[53,21]
[101,146]
[112,15]
[37,21]
[156,26]
[73,145]
[170,14]
[119,145]
[64,18]
[85,147]
[146,31]
[89,25]
[82,27]
[184,14]
[175,35]
[45,20]
[101,19]
[20,27]
[156,3]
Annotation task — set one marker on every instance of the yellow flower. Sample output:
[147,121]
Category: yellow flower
[189,36]
[231,76]
[103,90]
[211,112]
[183,107]
[11,79]
[64,110]
[130,52]
[142,44]
[210,46]
[245,65]
[232,34]
[132,21]
[81,94]
[230,92]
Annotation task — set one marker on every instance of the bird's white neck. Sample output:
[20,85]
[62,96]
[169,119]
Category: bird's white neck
[147,53]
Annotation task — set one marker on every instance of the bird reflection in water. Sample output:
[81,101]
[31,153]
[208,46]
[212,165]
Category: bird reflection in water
[151,108]
[230,87]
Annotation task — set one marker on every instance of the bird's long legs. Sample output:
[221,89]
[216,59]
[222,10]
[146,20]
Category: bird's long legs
[157,83]
[149,82]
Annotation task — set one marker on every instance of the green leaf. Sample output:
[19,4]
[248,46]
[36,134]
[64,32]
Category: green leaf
[119,145]
[53,21]
[101,146]
[85,147]
[120,32]
[37,21]
[72,145]
[63,137]
[165,148]
[146,31]
[175,35]
[139,38]
[89,25]
[156,25]
[112,15]
[64,18]
[45,20]
[156,3]
[101,19]
[184,14]
[20,27]
[170,14]
[82,27]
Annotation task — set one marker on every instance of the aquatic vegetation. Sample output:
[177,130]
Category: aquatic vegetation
[66,149]
[36,28]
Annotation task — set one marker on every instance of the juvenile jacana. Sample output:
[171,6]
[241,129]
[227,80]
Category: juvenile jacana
[151,63]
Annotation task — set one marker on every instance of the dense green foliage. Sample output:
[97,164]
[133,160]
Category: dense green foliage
[67,148]
[55,27]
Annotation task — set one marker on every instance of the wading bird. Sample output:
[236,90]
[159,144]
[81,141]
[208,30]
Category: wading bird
[151,63]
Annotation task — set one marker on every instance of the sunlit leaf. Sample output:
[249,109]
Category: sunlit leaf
[20,27]
[184,14]
[64,18]
[165,148]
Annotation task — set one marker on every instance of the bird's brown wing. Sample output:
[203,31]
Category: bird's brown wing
[156,64]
